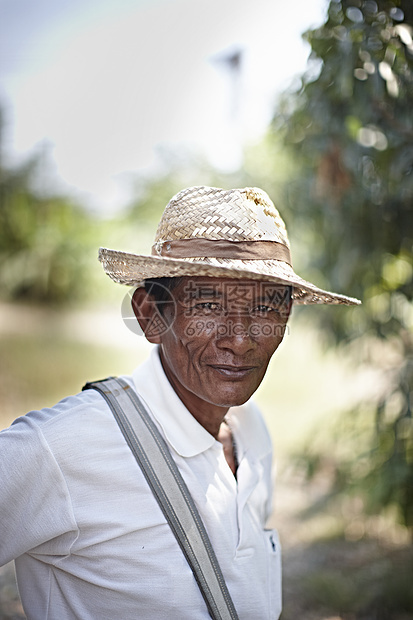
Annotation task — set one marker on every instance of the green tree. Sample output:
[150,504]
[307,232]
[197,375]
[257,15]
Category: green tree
[45,241]
[350,128]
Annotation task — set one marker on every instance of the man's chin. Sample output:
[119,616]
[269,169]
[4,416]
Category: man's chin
[233,400]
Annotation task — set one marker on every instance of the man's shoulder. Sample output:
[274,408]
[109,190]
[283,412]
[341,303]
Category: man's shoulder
[84,408]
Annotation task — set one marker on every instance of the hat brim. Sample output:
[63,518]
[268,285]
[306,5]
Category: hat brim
[132,269]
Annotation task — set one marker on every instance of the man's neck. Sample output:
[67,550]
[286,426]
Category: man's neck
[210,416]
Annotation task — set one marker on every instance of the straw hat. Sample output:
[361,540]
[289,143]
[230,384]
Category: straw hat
[212,232]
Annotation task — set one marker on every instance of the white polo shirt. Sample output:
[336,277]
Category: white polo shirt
[90,540]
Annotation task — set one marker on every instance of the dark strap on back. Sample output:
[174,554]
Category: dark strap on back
[173,496]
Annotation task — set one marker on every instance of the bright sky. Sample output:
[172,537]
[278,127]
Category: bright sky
[107,82]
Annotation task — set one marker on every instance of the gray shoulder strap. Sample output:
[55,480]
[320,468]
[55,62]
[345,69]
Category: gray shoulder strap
[162,474]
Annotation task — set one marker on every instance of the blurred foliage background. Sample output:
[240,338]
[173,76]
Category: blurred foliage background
[350,128]
[338,159]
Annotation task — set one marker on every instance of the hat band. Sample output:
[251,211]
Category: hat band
[242,250]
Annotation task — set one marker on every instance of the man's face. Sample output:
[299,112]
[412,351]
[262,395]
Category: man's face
[222,334]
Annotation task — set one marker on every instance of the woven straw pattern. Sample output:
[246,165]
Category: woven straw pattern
[213,213]
[217,214]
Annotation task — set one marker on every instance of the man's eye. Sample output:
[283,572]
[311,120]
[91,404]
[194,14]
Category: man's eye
[211,306]
[262,309]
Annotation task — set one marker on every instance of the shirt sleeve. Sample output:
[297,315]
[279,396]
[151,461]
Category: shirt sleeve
[35,503]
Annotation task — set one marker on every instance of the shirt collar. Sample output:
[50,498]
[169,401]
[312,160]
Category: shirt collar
[250,431]
[182,431]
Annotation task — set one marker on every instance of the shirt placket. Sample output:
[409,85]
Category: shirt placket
[249,473]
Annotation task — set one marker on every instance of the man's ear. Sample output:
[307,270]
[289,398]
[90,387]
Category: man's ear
[147,314]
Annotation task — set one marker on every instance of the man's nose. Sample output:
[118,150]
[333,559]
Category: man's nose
[234,333]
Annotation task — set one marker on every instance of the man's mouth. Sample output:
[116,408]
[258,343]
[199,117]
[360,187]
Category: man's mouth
[233,372]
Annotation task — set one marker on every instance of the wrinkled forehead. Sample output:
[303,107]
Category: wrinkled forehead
[230,290]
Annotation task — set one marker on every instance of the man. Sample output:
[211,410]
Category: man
[88,537]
